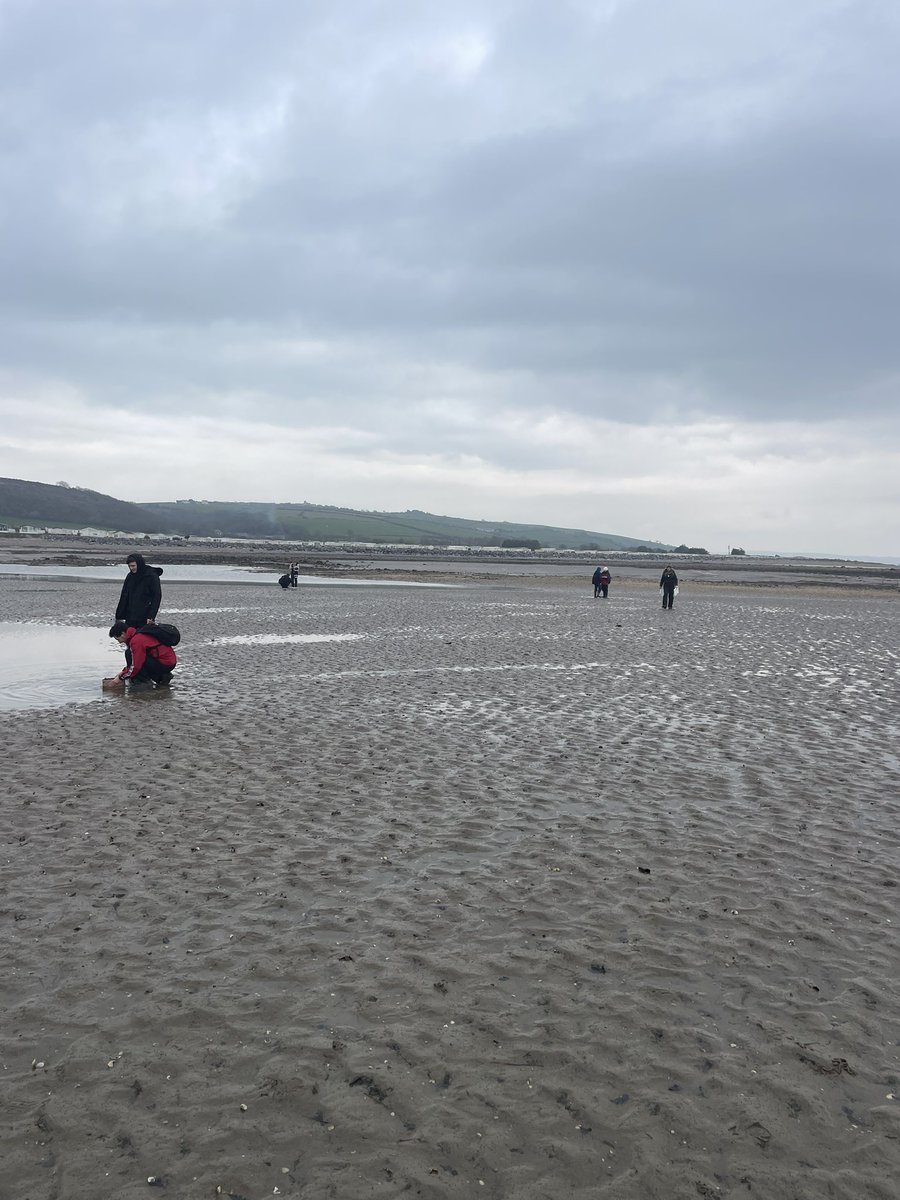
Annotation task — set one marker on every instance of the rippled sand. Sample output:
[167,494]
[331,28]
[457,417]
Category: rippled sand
[518,895]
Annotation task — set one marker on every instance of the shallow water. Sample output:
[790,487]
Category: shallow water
[202,573]
[42,666]
[173,573]
[273,639]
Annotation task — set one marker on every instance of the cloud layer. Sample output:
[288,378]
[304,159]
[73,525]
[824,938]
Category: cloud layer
[623,265]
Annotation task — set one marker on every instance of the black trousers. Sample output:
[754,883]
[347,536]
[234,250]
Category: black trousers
[668,597]
[152,671]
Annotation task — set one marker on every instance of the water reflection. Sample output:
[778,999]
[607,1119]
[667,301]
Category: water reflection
[43,666]
[202,573]
[272,639]
[172,573]
[229,609]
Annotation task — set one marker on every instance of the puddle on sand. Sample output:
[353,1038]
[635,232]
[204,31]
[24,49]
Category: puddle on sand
[172,573]
[200,573]
[183,611]
[277,639]
[44,666]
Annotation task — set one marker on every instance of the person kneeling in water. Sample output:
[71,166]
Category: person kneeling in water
[150,661]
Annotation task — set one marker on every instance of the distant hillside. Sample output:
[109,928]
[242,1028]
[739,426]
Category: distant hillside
[45,504]
[25,503]
[320,522]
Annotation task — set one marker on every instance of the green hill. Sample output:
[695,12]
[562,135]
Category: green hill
[23,502]
[57,505]
[321,522]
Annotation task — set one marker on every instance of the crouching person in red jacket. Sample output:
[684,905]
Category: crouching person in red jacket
[148,659]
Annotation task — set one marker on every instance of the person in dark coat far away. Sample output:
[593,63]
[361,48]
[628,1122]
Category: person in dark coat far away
[600,579]
[141,593]
[668,582]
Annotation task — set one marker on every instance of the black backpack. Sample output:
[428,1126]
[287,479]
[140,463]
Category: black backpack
[168,635]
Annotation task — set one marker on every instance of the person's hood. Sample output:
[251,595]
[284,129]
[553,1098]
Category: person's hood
[142,567]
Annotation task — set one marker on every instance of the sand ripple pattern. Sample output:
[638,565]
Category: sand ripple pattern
[515,896]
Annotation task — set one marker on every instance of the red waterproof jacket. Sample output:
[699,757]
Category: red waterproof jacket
[142,644]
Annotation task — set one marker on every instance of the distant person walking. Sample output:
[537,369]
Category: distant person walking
[600,579]
[295,573]
[669,584]
[141,593]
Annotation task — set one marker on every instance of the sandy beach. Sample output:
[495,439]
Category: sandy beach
[493,892]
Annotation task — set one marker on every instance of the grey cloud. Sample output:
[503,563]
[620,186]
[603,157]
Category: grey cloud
[598,205]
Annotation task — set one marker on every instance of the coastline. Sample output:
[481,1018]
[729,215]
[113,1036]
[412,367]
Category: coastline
[696,572]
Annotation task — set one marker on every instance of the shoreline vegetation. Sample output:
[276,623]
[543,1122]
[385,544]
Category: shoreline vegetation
[472,566]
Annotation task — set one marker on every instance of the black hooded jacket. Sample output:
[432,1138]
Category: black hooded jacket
[141,594]
[668,582]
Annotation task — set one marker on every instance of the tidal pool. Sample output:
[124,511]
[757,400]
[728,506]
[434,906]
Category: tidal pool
[43,666]
[274,639]
[172,573]
[204,573]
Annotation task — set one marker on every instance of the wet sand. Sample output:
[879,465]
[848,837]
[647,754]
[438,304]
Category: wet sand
[520,895]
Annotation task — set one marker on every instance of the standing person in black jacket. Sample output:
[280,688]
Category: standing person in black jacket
[600,579]
[668,583]
[141,594]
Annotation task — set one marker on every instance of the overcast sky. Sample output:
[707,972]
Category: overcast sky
[625,265]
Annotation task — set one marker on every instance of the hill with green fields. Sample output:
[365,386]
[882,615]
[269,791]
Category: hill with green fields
[25,504]
[323,523]
[57,505]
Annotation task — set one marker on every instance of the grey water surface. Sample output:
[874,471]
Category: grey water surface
[43,666]
[200,573]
